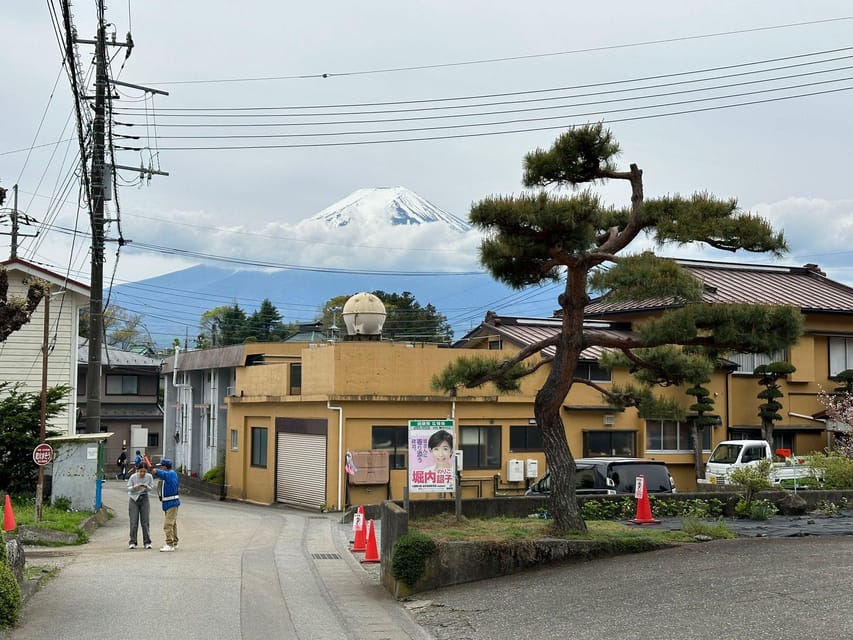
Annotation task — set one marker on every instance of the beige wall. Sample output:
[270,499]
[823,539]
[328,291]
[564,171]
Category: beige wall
[387,384]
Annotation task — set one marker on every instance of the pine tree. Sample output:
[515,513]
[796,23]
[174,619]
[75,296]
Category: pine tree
[542,237]
[16,312]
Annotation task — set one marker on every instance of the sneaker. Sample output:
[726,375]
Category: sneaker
[131,546]
[166,547]
[148,546]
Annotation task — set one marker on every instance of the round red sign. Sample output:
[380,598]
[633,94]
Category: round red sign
[42,454]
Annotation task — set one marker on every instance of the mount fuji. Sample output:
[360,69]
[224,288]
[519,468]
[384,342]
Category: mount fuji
[172,304]
[393,205]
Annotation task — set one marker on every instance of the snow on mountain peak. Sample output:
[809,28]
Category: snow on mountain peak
[388,205]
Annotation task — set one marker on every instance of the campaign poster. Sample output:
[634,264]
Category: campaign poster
[431,459]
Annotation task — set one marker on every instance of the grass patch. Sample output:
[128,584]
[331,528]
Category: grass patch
[697,527]
[52,518]
[445,528]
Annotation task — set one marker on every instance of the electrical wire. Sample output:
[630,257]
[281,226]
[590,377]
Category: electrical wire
[444,65]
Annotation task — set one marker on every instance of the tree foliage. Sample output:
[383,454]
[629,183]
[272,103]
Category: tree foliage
[16,311]
[122,328]
[768,377]
[20,427]
[230,324]
[544,236]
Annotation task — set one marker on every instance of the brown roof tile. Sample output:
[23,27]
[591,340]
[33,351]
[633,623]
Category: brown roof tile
[804,287]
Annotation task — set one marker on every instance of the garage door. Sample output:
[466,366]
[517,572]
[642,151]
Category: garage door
[301,469]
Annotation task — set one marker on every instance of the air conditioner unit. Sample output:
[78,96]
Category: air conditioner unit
[609,419]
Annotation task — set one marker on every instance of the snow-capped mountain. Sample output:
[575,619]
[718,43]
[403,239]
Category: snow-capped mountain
[386,205]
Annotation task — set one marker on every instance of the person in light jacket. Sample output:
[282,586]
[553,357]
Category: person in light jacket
[139,486]
[171,502]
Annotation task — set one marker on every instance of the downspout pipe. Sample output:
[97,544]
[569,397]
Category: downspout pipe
[341,454]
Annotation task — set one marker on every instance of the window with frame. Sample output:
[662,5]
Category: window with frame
[295,378]
[481,447]
[153,440]
[593,372]
[609,443]
[259,446]
[840,354]
[673,435]
[122,385]
[394,440]
[748,361]
[233,439]
[525,438]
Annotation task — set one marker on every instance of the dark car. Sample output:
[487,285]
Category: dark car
[611,476]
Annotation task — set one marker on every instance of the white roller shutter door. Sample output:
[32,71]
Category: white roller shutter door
[301,469]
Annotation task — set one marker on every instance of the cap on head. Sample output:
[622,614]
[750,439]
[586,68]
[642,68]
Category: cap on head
[165,462]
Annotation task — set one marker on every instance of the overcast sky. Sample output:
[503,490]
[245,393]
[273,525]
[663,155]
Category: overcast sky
[405,66]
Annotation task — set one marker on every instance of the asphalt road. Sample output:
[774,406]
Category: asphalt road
[746,588]
[245,572]
[241,572]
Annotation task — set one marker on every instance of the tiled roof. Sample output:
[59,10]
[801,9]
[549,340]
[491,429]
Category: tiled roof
[111,357]
[523,332]
[804,287]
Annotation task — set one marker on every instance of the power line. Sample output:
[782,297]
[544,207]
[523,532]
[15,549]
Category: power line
[563,125]
[593,85]
[444,65]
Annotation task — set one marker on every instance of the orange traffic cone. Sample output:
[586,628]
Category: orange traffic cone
[644,507]
[371,554]
[9,516]
[358,524]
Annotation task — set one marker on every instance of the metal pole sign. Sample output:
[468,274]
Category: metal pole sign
[42,454]
[431,468]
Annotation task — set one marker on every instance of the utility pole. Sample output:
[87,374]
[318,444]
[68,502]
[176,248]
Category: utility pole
[96,292]
[43,414]
[95,183]
[16,220]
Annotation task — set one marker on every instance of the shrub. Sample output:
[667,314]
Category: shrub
[608,509]
[215,474]
[409,557]
[10,595]
[836,468]
[752,479]
[62,503]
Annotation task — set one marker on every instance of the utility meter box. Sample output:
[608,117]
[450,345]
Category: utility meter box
[458,455]
[532,468]
[515,470]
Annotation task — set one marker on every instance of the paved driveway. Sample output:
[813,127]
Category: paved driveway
[747,588]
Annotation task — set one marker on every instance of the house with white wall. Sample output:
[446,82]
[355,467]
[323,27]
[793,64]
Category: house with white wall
[21,353]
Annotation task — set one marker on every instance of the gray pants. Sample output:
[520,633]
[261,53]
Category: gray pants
[139,510]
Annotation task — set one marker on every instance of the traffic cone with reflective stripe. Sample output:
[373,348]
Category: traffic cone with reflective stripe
[9,516]
[358,523]
[372,553]
[644,507]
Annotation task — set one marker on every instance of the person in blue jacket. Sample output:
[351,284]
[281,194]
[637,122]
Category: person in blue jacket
[171,502]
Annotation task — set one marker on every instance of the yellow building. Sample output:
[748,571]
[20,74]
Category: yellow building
[294,410]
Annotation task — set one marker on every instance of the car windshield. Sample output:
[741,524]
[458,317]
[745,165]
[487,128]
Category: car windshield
[656,477]
[726,453]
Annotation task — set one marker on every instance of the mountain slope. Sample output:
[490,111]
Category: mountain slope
[390,205]
[172,304]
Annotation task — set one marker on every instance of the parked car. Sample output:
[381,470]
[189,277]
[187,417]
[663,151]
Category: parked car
[611,476]
[736,454]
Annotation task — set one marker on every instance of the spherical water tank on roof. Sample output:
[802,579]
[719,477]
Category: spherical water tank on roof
[364,314]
